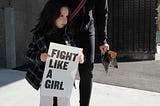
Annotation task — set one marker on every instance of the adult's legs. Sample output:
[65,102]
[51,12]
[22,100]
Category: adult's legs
[85,86]
[85,70]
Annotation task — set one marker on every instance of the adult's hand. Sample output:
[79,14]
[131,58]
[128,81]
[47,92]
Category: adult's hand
[81,59]
[104,48]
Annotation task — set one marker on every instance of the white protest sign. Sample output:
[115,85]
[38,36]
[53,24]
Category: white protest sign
[60,70]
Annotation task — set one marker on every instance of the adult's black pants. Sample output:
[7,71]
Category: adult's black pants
[85,69]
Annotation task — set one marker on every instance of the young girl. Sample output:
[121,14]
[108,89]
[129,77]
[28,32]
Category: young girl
[52,27]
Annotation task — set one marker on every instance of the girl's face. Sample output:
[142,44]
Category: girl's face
[62,20]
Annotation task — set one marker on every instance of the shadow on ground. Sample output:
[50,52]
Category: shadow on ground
[8,76]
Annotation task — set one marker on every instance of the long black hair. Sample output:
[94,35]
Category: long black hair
[48,15]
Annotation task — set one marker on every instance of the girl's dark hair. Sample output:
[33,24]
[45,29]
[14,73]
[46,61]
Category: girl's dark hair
[49,14]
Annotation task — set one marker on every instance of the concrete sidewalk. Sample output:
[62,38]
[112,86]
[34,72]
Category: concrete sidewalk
[20,93]
[15,90]
[143,75]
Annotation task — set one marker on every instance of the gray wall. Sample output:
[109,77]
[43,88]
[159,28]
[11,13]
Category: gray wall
[26,14]
[3,4]
[158,10]
[2,39]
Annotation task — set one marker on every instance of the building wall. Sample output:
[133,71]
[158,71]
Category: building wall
[158,10]
[2,39]
[3,4]
[26,14]
[158,2]
[132,28]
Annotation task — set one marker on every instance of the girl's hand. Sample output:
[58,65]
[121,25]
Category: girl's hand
[81,59]
[44,57]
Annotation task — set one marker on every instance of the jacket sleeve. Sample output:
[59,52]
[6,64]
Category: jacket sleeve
[100,15]
[33,52]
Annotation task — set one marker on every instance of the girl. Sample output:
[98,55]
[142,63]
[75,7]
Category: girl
[52,27]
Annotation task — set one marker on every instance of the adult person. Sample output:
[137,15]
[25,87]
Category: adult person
[90,19]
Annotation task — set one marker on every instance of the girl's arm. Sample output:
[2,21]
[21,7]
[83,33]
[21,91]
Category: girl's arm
[33,52]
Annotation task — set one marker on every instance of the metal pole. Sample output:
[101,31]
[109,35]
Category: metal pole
[10,37]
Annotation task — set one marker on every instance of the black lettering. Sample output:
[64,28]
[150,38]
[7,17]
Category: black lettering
[59,64]
[68,56]
[53,52]
[61,86]
[62,56]
[65,65]
[49,75]
[52,84]
[50,63]
[47,84]
[55,63]
[56,85]
[75,55]
[58,53]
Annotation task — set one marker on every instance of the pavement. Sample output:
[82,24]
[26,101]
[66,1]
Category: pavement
[132,84]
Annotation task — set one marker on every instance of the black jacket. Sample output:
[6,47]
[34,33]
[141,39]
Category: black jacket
[91,18]
[40,44]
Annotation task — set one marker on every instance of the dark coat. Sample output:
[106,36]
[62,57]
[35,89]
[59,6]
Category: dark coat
[91,18]
[40,45]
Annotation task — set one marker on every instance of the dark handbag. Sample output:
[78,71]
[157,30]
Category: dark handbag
[109,59]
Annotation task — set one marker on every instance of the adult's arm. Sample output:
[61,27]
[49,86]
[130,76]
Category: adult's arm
[100,15]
